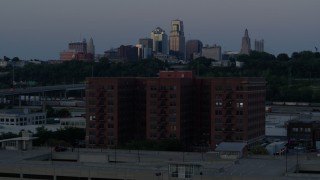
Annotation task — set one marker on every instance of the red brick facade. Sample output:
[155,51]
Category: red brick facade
[176,105]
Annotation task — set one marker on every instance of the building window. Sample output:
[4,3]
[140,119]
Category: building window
[218,112]
[92,118]
[173,87]
[218,103]
[173,96]
[172,103]
[181,171]
[218,121]
[239,104]
[218,88]
[239,113]
[152,88]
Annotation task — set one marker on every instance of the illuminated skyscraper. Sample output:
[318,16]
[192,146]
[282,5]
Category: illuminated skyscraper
[177,40]
[246,45]
[160,41]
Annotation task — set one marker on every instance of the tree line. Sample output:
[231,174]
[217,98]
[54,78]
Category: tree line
[294,78]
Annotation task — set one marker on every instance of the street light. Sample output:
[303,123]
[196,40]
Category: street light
[286,160]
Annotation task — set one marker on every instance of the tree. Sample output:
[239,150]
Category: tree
[63,113]
[295,55]
[8,135]
[66,136]
[15,59]
[258,150]
[283,57]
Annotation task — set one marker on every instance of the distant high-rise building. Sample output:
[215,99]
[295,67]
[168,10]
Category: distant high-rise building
[79,51]
[160,41]
[90,47]
[177,40]
[246,45]
[192,47]
[213,52]
[259,45]
[144,48]
[146,42]
[79,47]
[128,52]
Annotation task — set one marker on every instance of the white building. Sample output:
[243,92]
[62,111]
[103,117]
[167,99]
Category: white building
[3,63]
[18,117]
[213,52]
[77,122]
[20,143]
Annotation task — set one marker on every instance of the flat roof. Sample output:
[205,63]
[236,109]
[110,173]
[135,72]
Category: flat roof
[252,167]
[19,139]
[230,146]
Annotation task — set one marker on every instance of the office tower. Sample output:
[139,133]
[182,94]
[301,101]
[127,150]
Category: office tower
[128,52]
[259,45]
[160,41]
[145,48]
[79,47]
[146,42]
[143,52]
[90,47]
[246,45]
[193,47]
[177,106]
[177,40]
[212,52]
[79,51]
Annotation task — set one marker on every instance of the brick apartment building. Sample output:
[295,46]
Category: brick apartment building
[303,133]
[175,105]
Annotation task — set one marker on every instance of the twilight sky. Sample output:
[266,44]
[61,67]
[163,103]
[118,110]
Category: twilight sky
[40,29]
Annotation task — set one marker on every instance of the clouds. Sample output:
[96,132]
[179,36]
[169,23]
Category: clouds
[40,29]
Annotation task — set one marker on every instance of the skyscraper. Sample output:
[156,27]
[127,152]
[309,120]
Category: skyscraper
[90,47]
[79,51]
[259,45]
[213,52]
[177,40]
[160,41]
[246,45]
[146,42]
[79,47]
[144,48]
[193,46]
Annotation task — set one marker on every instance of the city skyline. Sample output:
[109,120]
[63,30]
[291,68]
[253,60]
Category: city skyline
[35,29]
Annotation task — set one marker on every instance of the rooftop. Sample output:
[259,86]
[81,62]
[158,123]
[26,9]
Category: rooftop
[134,164]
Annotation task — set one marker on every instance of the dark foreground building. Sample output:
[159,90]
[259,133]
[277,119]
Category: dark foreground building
[196,111]
[303,134]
